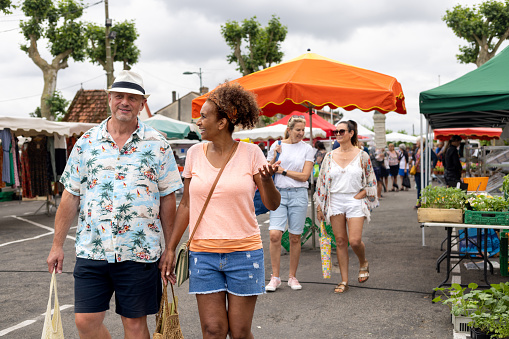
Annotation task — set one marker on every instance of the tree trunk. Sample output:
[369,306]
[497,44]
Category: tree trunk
[50,84]
[379,129]
[49,72]
[238,55]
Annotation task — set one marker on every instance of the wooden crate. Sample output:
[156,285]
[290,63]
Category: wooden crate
[440,215]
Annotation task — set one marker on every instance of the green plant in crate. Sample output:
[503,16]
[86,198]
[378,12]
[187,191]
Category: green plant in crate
[505,187]
[443,197]
[455,298]
[492,313]
[488,203]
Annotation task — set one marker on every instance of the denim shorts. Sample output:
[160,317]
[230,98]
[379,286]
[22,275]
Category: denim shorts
[240,273]
[402,172]
[137,287]
[293,208]
[345,203]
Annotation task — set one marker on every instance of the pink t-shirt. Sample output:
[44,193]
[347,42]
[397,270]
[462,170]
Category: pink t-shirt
[230,213]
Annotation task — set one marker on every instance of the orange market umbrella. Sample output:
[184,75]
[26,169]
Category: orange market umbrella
[314,81]
[482,133]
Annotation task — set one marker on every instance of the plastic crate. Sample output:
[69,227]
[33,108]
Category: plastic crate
[486,218]
[6,196]
[460,324]
[476,182]
[504,270]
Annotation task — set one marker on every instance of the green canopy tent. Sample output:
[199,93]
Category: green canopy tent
[479,98]
[174,129]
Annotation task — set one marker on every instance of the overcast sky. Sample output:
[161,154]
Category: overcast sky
[402,38]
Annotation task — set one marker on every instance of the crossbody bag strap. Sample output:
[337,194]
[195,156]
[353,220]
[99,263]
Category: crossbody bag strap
[210,193]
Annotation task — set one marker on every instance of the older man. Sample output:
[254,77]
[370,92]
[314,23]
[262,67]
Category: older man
[123,176]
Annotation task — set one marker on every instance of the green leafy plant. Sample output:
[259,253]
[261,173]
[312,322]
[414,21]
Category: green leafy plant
[488,203]
[492,313]
[505,186]
[455,298]
[443,197]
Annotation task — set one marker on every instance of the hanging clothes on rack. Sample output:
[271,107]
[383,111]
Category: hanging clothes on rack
[2,183]
[15,161]
[5,135]
[40,166]
[26,180]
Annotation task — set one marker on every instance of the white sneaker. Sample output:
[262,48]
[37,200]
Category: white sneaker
[294,284]
[273,284]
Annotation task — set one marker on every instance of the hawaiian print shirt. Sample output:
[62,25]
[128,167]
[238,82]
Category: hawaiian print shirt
[119,193]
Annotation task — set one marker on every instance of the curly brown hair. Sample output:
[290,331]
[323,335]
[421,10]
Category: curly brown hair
[236,104]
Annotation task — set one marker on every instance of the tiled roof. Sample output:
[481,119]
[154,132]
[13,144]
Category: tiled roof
[88,106]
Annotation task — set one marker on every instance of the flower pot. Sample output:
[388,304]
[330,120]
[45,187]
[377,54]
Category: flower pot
[476,333]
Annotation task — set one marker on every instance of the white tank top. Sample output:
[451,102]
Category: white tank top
[348,179]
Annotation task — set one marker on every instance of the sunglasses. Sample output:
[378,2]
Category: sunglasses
[297,117]
[340,132]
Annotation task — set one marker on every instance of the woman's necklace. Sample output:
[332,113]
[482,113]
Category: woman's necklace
[344,157]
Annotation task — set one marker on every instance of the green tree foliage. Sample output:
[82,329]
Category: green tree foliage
[5,6]
[58,23]
[484,27]
[123,48]
[58,107]
[262,44]
[402,131]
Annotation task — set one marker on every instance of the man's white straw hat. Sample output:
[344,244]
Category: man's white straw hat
[128,82]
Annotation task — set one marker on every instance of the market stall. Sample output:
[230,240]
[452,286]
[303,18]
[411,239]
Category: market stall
[174,129]
[40,159]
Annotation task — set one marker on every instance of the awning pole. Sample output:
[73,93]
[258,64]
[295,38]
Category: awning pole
[313,229]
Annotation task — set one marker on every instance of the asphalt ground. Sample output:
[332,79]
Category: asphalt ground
[394,303]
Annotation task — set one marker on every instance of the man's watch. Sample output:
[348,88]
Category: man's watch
[284,173]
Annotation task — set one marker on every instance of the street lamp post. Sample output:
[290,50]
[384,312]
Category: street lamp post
[199,74]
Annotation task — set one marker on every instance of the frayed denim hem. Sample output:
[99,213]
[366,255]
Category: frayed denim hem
[230,292]
[247,295]
[210,292]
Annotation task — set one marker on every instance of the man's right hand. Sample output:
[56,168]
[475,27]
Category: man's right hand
[55,259]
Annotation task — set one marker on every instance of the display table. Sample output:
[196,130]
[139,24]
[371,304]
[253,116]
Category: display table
[448,254]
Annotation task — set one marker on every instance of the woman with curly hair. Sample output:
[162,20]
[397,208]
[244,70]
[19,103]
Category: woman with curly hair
[346,192]
[226,261]
[297,158]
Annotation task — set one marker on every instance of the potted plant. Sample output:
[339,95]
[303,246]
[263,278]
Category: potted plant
[485,311]
[441,204]
[491,318]
[461,307]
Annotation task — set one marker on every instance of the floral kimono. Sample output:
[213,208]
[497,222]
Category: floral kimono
[322,194]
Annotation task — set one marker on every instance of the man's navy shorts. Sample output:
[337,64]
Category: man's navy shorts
[137,287]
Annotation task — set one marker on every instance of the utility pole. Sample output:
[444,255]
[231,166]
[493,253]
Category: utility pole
[109,61]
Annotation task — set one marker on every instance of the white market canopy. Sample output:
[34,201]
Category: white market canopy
[274,132]
[400,137]
[29,127]
[174,129]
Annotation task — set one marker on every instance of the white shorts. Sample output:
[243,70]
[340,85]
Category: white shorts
[345,203]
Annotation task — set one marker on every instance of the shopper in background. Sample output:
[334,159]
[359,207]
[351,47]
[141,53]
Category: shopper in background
[297,158]
[346,192]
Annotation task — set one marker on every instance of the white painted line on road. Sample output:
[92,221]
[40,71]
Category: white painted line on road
[266,221]
[15,327]
[29,322]
[26,239]
[39,225]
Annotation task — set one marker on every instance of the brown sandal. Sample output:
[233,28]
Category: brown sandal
[342,287]
[364,273]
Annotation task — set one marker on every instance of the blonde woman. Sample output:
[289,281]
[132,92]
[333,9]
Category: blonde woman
[297,159]
[346,192]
